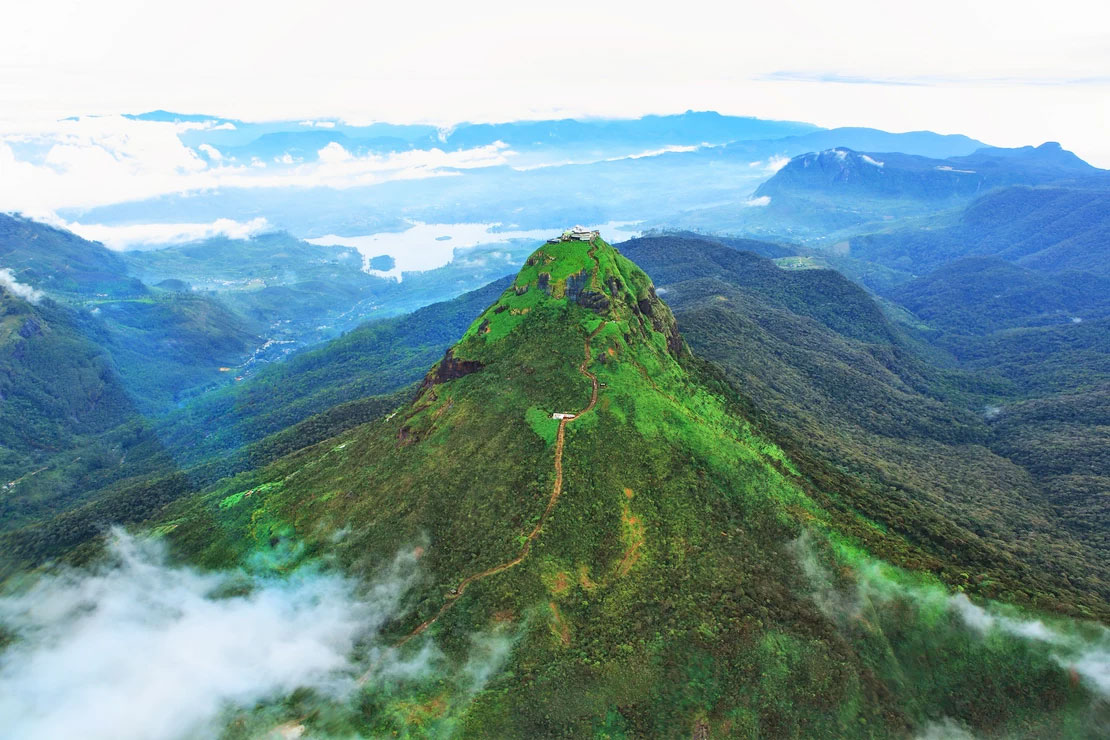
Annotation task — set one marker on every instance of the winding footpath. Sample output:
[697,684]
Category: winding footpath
[556,489]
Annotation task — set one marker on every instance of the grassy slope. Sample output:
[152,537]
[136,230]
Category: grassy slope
[662,596]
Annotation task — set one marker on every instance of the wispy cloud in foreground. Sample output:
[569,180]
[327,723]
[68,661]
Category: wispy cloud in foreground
[139,648]
[647,153]
[1083,648]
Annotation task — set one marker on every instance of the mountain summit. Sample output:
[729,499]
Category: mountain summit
[572,479]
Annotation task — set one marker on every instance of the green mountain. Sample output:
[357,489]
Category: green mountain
[61,262]
[571,477]
[68,425]
[87,354]
[1003,434]
[314,395]
[1049,229]
[978,295]
[164,344]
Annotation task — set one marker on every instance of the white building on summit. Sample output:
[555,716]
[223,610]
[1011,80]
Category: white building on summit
[577,234]
[560,416]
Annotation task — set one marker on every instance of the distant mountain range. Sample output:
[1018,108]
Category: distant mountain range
[843,172]
[654,170]
[836,193]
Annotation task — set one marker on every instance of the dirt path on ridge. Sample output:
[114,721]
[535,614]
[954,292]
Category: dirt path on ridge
[556,489]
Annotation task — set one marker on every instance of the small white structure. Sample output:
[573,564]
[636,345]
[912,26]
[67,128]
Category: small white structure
[561,416]
[582,234]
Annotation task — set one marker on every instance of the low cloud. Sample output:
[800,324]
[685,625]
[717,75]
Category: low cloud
[140,648]
[945,729]
[333,152]
[1089,657]
[763,200]
[136,235]
[1083,648]
[20,290]
[668,149]
[771,165]
[337,167]
[671,149]
[488,653]
[143,649]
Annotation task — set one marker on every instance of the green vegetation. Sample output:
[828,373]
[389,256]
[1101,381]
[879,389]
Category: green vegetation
[918,453]
[63,263]
[666,593]
[1050,229]
[981,295]
[67,421]
[85,385]
[376,359]
[766,538]
[303,293]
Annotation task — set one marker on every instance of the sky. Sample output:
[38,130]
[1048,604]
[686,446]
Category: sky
[1006,72]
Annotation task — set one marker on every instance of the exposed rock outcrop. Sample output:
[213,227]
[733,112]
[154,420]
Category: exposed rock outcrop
[449,368]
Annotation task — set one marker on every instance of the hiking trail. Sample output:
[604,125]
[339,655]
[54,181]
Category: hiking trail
[556,490]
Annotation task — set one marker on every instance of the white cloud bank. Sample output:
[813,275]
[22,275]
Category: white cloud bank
[20,290]
[136,235]
[212,152]
[143,649]
[99,160]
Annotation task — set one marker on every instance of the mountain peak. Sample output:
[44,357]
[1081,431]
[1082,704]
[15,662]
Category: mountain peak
[581,269]
[573,286]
